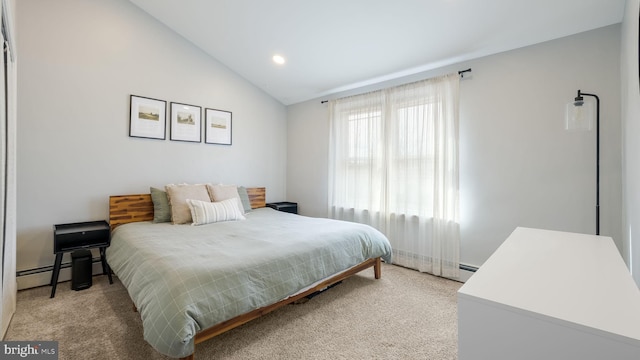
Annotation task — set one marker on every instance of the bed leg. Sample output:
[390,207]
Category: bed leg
[190,357]
[377,268]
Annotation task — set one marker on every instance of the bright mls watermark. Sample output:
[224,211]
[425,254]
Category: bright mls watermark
[38,350]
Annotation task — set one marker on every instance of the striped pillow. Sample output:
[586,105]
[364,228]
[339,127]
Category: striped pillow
[204,212]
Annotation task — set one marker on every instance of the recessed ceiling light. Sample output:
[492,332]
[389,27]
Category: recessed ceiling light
[278,59]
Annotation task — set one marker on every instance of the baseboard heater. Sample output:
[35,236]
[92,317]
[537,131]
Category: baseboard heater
[49,268]
[468,268]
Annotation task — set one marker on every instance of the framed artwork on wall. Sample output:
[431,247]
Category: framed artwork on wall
[147,118]
[217,127]
[185,122]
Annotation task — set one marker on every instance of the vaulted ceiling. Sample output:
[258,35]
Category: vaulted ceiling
[337,45]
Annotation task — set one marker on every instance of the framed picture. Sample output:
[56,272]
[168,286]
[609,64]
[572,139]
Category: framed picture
[185,122]
[217,128]
[148,118]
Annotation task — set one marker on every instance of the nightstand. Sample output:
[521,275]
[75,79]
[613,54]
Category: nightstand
[75,236]
[285,206]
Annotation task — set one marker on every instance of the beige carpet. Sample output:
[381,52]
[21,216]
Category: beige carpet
[404,315]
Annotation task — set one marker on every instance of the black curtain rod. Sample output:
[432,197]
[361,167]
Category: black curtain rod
[461,73]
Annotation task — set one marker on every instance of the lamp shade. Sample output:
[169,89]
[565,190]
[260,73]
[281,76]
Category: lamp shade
[579,117]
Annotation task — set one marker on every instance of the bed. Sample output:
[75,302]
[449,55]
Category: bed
[191,283]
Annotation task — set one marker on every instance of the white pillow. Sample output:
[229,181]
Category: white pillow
[178,195]
[221,192]
[204,212]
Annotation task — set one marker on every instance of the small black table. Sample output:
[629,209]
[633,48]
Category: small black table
[82,235]
[285,206]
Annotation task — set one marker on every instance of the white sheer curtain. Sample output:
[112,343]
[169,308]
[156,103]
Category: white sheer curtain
[394,165]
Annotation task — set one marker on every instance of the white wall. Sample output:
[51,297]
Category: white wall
[308,157]
[631,131]
[79,63]
[518,166]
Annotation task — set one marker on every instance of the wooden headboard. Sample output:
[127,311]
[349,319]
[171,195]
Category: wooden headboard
[124,209]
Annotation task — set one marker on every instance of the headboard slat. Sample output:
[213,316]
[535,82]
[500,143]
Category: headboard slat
[257,197]
[129,208]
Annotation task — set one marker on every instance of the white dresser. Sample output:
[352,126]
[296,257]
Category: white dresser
[550,295]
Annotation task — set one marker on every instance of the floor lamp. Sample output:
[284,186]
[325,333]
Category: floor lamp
[579,118]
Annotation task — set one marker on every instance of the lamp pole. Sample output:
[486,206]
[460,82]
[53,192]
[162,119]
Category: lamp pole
[579,98]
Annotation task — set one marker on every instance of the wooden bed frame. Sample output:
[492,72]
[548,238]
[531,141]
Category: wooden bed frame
[124,209]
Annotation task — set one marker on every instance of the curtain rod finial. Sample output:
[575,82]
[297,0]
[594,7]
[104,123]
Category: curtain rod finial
[461,72]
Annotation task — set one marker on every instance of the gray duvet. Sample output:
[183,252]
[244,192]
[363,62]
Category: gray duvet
[185,278]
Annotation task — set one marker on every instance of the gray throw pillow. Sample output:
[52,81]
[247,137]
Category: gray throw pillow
[244,197]
[161,207]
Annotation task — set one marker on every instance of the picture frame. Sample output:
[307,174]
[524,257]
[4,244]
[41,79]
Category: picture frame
[218,125]
[185,122]
[147,117]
